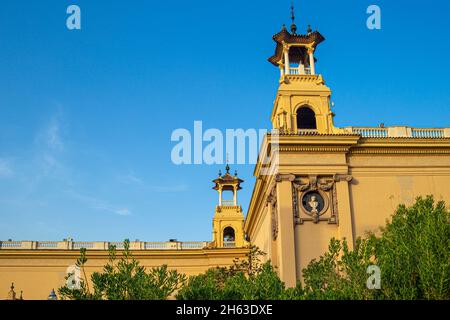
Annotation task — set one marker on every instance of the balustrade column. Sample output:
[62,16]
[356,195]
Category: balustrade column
[311,61]
[281,71]
[286,61]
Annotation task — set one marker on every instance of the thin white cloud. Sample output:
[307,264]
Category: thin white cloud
[50,136]
[123,212]
[169,189]
[53,135]
[99,204]
[109,208]
[130,178]
[133,179]
[5,168]
[47,154]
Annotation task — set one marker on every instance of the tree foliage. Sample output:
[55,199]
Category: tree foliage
[247,279]
[412,252]
[124,279]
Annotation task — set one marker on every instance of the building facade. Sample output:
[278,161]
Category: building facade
[314,181]
[39,268]
[317,181]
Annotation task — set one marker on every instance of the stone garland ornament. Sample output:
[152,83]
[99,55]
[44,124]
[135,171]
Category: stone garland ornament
[272,201]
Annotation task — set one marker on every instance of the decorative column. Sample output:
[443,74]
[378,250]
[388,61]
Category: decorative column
[346,223]
[281,70]
[220,196]
[311,61]
[285,124]
[286,236]
[235,195]
[286,60]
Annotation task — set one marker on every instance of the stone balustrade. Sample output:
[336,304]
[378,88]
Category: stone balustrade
[100,245]
[400,132]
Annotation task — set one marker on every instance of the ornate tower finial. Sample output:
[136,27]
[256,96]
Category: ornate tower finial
[227,167]
[309,30]
[293,26]
[52,295]
[11,293]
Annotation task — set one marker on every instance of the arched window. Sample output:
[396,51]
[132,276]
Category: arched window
[228,237]
[306,118]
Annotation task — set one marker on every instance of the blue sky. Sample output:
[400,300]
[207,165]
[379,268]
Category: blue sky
[86,116]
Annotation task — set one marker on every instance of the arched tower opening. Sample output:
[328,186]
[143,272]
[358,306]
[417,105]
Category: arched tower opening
[229,238]
[306,118]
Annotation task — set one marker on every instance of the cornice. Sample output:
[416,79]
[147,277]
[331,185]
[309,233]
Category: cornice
[139,254]
[404,142]
[318,149]
[399,151]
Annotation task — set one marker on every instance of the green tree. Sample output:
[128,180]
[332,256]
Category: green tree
[247,279]
[124,279]
[412,252]
[340,273]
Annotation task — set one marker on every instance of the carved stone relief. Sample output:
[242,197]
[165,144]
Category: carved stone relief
[315,198]
[272,202]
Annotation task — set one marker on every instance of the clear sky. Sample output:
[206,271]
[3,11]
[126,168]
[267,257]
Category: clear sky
[86,116]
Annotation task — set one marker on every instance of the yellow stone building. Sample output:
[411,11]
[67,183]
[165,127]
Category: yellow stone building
[38,268]
[314,181]
[319,181]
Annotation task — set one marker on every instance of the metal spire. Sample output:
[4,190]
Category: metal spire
[227,167]
[293,26]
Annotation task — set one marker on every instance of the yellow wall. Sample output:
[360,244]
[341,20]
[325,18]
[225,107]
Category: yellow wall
[37,272]
[381,183]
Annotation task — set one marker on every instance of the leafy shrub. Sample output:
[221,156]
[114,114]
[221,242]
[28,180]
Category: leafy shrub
[124,279]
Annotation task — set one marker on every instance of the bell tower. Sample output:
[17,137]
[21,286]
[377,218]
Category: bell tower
[302,103]
[228,221]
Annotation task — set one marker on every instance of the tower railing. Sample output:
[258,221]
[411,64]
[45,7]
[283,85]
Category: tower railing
[229,244]
[300,71]
[306,131]
[228,203]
